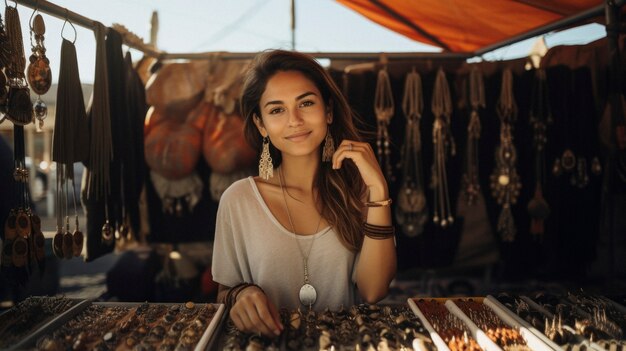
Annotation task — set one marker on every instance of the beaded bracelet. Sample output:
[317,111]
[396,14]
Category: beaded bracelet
[378,232]
[382,203]
[231,296]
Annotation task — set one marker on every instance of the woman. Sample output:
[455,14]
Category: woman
[316,221]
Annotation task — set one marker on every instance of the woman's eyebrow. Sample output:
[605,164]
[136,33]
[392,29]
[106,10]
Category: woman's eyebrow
[299,97]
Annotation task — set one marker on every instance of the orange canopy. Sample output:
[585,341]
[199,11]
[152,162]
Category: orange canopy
[467,25]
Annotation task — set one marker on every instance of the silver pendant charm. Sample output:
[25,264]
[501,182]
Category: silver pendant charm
[308,295]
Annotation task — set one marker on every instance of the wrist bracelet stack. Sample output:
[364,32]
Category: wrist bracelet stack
[231,296]
[378,232]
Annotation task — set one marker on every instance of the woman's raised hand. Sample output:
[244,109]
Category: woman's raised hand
[363,156]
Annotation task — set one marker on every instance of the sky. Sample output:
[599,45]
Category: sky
[247,26]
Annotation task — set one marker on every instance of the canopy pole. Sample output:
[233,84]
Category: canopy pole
[617,121]
[154,29]
[293,25]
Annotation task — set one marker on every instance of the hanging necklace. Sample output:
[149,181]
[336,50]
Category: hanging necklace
[441,106]
[308,294]
[412,211]
[471,186]
[505,182]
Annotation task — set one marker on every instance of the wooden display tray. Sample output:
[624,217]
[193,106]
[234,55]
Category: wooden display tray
[45,324]
[204,343]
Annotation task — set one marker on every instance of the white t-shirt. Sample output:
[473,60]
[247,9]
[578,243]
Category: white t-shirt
[252,246]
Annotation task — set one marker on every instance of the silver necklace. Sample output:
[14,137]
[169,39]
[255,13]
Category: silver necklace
[308,294]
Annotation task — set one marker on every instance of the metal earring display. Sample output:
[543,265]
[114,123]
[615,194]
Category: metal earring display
[39,74]
[329,147]
[266,167]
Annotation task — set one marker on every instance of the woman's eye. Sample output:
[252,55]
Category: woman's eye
[275,111]
[307,103]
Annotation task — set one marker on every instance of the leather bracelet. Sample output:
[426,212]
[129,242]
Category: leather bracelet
[228,300]
[382,203]
[378,232]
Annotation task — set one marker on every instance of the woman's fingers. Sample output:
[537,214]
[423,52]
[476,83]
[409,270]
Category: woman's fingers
[252,313]
[275,316]
[365,160]
[360,153]
[349,149]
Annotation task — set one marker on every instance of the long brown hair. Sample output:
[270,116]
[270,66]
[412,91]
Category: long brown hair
[340,190]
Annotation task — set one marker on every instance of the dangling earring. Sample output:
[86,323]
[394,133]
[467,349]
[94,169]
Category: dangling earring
[266,168]
[329,147]
[39,74]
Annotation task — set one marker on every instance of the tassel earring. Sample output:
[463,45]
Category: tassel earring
[266,168]
[329,147]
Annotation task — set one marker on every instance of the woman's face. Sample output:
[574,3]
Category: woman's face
[293,114]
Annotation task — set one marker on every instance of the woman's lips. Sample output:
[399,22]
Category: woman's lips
[298,136]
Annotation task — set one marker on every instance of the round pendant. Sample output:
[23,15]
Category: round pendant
[308,295]
[39,76]
[503,179]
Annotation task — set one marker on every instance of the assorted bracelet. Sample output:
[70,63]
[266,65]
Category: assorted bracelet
[382,203]
[378,232]
[231,295]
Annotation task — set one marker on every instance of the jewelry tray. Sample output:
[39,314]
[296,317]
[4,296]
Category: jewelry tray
[362,326]
[76,306]
[578,341]
[533,341]
[205,341]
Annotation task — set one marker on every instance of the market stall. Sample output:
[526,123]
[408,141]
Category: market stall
[526,175]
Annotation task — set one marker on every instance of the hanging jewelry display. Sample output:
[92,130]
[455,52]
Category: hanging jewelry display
[505,182]
[22,224]
[471,186]
[443,142]
[19,108]
[5,50]
[124,236]
[39,73]
[384,109]
[540,118]
[577,167]
[411,211]
[22,213]
[69,128]
[98,182]
[5,56]
[78,238]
